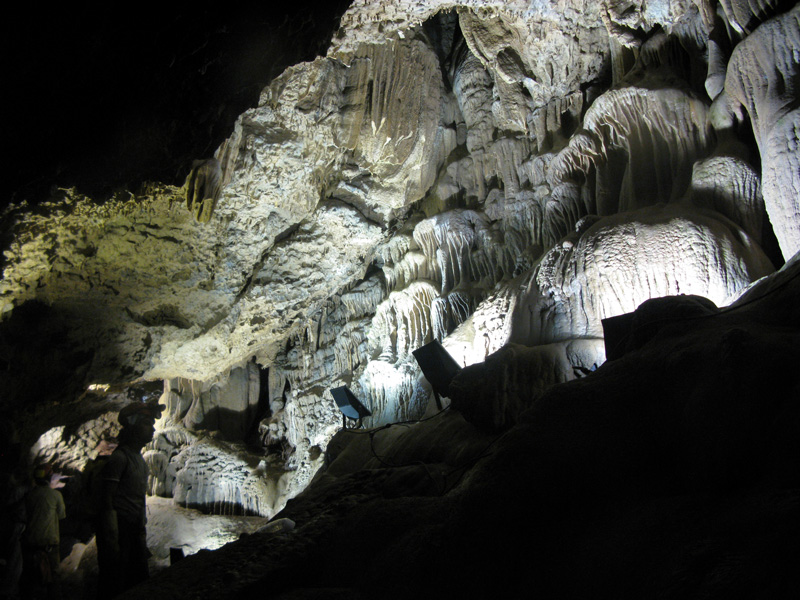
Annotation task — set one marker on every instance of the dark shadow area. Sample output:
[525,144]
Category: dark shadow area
[260,411]
[234,425]
[101,100]
[39,363]
[228,509]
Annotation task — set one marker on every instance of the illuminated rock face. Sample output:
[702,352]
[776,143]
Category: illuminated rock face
[762,79]
[475,172]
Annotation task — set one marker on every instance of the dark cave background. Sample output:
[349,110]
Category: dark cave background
[102,97]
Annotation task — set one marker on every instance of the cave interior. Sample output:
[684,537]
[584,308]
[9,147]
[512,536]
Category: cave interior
[592,206]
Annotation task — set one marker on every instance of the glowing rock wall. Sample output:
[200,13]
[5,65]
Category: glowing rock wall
[474,172]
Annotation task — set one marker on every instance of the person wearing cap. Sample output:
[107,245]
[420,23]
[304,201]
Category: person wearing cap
[121,538]
[45,508]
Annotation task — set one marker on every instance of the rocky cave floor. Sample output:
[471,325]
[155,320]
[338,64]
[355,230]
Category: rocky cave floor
[169,526]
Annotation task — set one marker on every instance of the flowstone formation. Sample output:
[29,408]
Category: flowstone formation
[479,173]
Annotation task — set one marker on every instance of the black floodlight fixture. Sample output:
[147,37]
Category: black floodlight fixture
[438,367]
[350,406]
[616,334]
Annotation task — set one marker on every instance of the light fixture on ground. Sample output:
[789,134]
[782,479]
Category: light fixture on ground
[438,367]
[616,331]
[351,407]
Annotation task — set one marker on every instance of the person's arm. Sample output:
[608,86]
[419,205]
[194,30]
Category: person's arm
[108,526]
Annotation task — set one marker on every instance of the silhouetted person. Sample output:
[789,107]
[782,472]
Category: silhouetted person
[92,485]
[13,517]
[45,507]
[121,537]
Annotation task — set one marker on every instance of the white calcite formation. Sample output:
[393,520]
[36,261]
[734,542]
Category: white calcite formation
[762,79]
[476,172]
[730,186]
[593,276]
[637,146]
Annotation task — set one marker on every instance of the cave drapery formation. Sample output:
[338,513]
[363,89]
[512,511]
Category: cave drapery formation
[498,176]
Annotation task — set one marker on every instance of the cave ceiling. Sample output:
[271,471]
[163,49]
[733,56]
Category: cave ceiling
[474,172]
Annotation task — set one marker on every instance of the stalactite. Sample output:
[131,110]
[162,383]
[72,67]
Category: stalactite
[413,266]
[157,464]
[339,342]
[448,238]
[520,215]
[553,123]
[396,247]
[563,210]
[402,322]
[472,86]
[391,388]
[449,312]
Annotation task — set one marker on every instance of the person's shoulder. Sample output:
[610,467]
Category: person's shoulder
[129,453]
[115,464]
[54,494]
[123,451]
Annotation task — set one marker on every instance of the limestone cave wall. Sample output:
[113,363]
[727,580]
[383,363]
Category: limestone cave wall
[476,172]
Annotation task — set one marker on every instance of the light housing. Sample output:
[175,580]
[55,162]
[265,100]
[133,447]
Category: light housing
[350,406]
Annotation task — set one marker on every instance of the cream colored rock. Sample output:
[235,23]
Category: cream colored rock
[596,274]
[487,330]
[247,273]
[744,15]
[638,146]
[762,77]
[212,475]
[69,449]
[730,186]
[228,406]
[297,276]
[646,14]
[389,123]
[588,278]
[537,57]
[472,86]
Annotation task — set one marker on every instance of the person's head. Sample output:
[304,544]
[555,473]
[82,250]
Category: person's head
[138,423]
[42,473]
[139,432]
